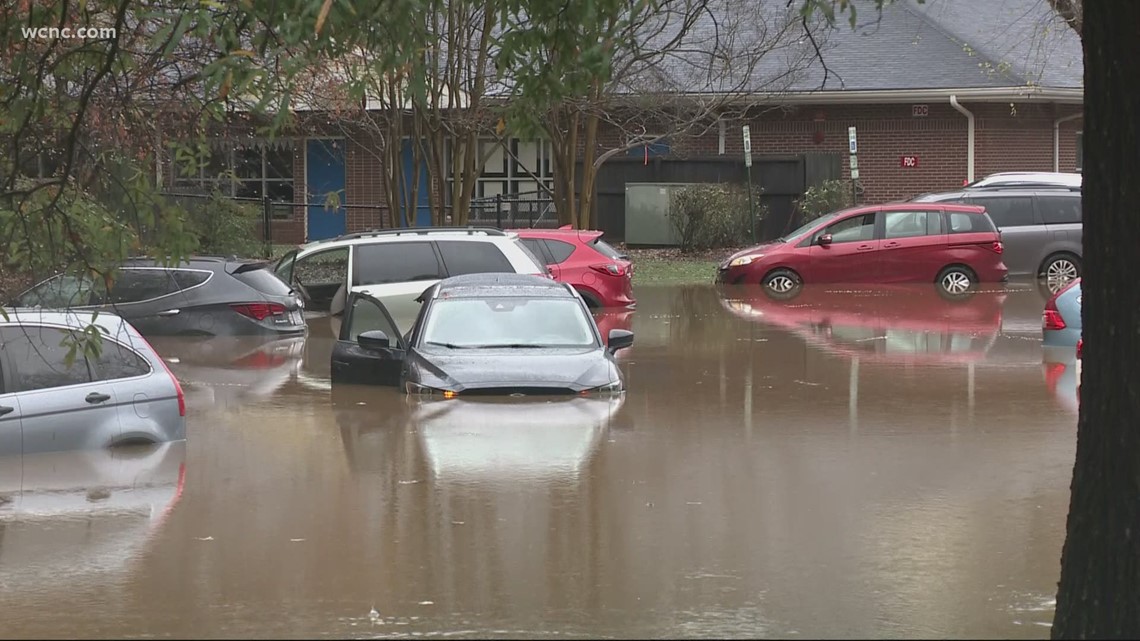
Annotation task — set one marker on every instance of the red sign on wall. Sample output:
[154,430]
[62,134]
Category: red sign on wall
[908,161]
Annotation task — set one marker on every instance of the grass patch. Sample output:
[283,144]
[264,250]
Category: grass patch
[671,267]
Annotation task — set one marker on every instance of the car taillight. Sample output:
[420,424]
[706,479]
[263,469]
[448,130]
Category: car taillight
[1080,346]
[1051,318]
[259,311]
[174,379]
[997,247]
[610,268]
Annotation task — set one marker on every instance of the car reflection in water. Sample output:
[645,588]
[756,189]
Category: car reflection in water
[484,439]
[891,324]
[66,515]
[609,319]
[1063,378]
[219,371]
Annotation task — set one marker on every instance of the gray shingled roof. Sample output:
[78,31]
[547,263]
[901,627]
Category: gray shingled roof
[949,44]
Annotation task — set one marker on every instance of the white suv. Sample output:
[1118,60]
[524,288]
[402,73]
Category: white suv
[397,265]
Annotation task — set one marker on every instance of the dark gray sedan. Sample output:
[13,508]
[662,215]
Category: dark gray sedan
[202,296]
[500,334]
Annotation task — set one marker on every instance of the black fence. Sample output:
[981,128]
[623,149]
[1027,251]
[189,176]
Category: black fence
[513,211]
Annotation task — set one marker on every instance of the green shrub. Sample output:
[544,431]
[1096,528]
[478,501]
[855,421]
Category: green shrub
[224,226]
[824,198]
[713,216]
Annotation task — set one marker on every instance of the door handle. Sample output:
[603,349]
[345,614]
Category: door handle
[891,244]
[863,248]
[169,312]
[5,410]
[95,398]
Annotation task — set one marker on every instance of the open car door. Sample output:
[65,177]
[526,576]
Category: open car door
[370,349]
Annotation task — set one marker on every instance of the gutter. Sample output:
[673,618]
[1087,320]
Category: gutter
[969,136]
[1057,137]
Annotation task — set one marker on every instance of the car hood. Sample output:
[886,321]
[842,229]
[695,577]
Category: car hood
[756,249]
[558,369]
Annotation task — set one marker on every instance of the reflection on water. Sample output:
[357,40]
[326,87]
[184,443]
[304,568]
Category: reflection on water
[774,470]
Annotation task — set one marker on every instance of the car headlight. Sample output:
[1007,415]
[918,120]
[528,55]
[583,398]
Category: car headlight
[744,260]
[614,387]
[424,390]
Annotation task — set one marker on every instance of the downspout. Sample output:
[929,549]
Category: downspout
[1057,137]
[969,136]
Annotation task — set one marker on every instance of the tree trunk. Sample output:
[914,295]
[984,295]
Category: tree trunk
[589,173]
[1099,591]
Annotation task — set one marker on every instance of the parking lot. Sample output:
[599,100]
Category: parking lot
[845,464]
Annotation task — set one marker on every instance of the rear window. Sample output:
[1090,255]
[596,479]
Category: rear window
[263,281]
[382,263]
[137,285]
[467,257]
[962,223]
[1015,211]
[1059,210]
[116,361]
[559,249]
[606,249]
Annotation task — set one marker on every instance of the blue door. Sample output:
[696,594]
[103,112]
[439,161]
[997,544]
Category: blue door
[423,197]
[324,175]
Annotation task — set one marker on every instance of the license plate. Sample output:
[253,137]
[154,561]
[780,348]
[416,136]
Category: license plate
[297,317]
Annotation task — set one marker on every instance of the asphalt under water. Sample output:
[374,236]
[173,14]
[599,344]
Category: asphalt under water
[883,464]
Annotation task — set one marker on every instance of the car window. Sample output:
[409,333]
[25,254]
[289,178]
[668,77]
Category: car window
[854,229]
[606,249]
[539,258]
[64,290]
[137,285]
[460,257]
[934,225]
[507,322]
[1059,210]
[536,247]
[560,250]
[1014,211]
[186,278]
[904,224]
[263,281]
[39,359]
[366,315]
[117,361]
[963,223]
[380,263]
[319,268]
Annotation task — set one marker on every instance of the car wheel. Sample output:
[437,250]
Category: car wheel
[956,281]
[1061,268]
[782,284]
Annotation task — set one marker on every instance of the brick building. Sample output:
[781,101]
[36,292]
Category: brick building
[939,93]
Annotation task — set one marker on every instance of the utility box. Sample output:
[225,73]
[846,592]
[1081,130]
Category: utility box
[647,214]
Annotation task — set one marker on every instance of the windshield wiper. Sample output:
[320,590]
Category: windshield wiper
[448,345]
[511,346]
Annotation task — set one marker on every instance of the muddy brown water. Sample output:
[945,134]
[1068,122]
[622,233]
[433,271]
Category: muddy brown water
[884,464]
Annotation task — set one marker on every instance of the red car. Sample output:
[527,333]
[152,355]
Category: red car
[955,246]
[600,273]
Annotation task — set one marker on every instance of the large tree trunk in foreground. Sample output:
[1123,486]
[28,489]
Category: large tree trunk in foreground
[1099,592]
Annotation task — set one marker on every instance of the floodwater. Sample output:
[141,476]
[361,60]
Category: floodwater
[841,465]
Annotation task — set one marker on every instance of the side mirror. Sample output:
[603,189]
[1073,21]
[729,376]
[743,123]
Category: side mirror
[824,240]
[374,340]
[619,339]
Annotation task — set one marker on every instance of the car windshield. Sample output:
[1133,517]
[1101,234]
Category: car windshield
[508,322]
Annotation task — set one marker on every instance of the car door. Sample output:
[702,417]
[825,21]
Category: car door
[11,441]
[1021,233]
[316,276]
[395,273]
[61,408]
[851,255]
[912,246]
[359,364]
[150,299]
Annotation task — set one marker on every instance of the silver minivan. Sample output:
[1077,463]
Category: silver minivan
[49,402]
[1040,227]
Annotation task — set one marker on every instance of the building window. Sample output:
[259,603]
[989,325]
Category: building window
[1080,150]
[522,173]
[652,150]
[250,170]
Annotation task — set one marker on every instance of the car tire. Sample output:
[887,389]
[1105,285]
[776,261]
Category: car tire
[956,282]
[1061,267]
[782,284]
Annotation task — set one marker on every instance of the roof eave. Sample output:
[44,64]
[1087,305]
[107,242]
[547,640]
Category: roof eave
[887,96]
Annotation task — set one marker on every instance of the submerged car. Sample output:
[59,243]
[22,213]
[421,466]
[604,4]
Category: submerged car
[482,334]
[1061,321]
[579,257]
[202,296]
[955,246]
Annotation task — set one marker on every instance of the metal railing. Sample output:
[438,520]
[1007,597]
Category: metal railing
[505,211]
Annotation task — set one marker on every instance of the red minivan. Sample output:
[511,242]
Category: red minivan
[955,246]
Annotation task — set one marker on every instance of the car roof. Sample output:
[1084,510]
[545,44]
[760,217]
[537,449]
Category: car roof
[477,234]
[558,233]
[501,284]
[199,262]
[1029,178]
[112,323]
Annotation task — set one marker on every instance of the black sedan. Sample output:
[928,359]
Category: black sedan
[201,296]
[480,334]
